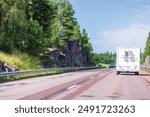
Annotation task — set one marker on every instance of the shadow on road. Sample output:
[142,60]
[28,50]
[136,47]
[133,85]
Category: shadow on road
[128,74]
[135,75]
[144,74]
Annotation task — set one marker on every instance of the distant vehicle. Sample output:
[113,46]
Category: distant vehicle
[128,60]
[112,65]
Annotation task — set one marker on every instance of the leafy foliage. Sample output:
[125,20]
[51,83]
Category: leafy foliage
[31,26]
[147,48]
[105,58]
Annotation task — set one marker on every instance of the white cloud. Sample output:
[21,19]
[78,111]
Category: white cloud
[133,35]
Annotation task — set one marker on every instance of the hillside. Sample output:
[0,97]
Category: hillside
[21,60]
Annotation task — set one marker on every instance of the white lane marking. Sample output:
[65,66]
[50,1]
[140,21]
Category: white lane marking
[73,86]
[91,78]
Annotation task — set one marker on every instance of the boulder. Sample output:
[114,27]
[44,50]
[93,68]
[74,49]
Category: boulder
[7,68]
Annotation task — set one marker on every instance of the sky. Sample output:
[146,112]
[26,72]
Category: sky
[114,23]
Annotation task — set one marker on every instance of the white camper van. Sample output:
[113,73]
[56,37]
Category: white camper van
[128,60]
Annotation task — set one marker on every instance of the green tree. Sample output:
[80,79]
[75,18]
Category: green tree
[63,25]
[77,32]
[12,25]
[55,27]
[147,48]
[35,41]
[105,58]
[32,26]
[19,32]
[86,45]
[67,20]
[42,11]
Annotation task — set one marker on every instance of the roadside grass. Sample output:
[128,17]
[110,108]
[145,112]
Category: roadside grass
[146,69]
[25,62]
[25,76]
[21,60]
[32,75]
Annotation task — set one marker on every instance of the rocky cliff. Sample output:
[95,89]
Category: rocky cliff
[70,55]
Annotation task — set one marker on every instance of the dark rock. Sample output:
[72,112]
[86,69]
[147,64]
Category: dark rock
[2,67]
[7,68]
[71,55]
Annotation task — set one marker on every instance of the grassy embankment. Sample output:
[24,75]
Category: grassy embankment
[23,62]
[146,69]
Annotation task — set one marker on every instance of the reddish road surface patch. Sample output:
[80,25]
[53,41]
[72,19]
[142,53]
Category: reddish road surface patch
[84,87]
[48,93]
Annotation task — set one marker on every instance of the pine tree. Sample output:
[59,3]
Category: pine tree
[76,32]
[86,45]
[67,20]
[64,25]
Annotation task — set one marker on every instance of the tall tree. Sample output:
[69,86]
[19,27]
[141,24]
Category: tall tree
[35,40]
[147,48]
[19,32]
[77,32]
[42,11]
[64,25]
[86,45]
[67,20]
[13,24]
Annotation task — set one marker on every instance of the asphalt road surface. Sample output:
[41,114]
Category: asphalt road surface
[100,84]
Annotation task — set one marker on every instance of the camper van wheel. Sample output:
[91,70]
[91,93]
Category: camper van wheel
[136,73]
[118,72]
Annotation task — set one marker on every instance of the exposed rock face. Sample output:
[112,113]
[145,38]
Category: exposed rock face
[7,68]
[71,55]
[2,67]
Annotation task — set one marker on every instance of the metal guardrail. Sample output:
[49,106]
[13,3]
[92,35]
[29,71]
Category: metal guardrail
[3,74]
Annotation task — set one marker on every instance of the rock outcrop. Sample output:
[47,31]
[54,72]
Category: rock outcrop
[7,68]
[71,55]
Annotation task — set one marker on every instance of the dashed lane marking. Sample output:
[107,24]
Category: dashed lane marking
[71,87]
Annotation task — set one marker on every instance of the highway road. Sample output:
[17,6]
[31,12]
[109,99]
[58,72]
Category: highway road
[99,84]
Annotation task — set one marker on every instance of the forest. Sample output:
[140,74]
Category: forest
[31,26]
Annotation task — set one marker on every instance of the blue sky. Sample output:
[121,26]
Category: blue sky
[113,23]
